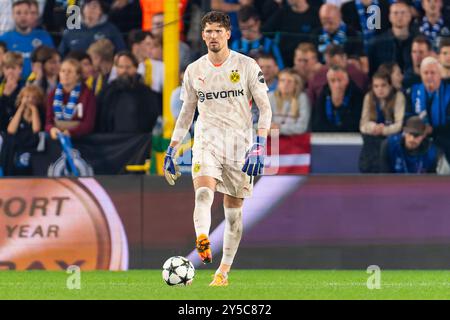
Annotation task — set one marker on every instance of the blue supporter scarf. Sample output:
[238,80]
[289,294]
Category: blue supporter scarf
[441,99]
[432,32]
[333,114]
[65,112]
[340,38]
[362,12]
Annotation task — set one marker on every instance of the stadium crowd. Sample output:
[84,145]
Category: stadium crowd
[330,67]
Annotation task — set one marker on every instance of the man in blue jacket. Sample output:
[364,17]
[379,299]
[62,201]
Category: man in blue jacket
[410,152]
[430,100]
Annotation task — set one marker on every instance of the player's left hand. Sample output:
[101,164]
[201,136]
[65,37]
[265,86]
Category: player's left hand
[254,161]
[171,170]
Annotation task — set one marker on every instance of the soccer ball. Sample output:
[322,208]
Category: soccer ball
[178,271]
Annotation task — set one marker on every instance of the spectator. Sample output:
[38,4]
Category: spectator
[102,57]
[126,15]
[45,63]
[339,106]
[87,68]
[6,17]
[433,24]
[55,19]
[306,62]
[444,58]
[269,69]
[10,86]
[290,106]
[71,106]
[24,38]
[355,15]
[394,70]
[93,28]
[127,105]
[431,101]
[411,152]
[3,50]
[335,31]
[152,71]
[186,55]
[395,44]
[295,23]
[420,49]
[22,132]
[252,42]
[382,116]
[336,56]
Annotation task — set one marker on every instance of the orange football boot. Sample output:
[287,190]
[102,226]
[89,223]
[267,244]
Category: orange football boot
[204,248]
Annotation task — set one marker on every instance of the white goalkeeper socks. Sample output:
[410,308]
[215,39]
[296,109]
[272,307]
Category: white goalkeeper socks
[204,198]
[232,234]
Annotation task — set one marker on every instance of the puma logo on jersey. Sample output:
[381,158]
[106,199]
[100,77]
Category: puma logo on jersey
[219,95]
[202,80]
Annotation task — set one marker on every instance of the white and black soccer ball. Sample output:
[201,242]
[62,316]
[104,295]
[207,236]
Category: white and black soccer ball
[178,271]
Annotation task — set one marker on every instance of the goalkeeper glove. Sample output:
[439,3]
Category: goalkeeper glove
[171,171]
[254,160]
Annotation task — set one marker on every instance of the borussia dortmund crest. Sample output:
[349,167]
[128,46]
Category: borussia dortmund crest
[235,76]
[197,167]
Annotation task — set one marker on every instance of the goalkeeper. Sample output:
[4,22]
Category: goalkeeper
[221,84]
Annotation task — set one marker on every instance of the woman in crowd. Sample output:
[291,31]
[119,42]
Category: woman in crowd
[22,132]
[10,86]
[396,75]
[71,106]
[291,110]
[382,116]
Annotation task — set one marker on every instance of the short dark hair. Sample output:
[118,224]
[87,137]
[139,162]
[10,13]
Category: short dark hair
[19,2]
[221,18]
[335,50]
[79,55]
[265,55]
[405,2]
[137,36]
[103,5]
[129,55]
[423,40]
[248,12]
[337,68]
[445,42]
[43,53]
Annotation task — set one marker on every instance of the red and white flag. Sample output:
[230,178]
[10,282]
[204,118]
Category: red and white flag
[290,155]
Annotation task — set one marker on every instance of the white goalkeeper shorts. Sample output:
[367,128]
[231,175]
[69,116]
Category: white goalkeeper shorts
[228,174]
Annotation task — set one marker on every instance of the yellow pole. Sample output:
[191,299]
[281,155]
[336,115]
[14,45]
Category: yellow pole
[171,36]
[171,61]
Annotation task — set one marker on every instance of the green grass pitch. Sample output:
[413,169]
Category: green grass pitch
[244,284]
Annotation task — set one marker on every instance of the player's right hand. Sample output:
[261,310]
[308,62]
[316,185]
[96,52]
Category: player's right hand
[171,171]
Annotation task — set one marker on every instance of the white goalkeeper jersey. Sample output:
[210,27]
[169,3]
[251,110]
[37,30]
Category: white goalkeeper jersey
[223,95]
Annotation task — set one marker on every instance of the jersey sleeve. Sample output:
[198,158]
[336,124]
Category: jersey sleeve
[189,97]
[258,88]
